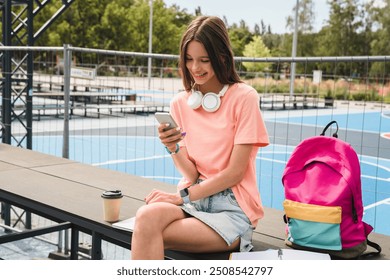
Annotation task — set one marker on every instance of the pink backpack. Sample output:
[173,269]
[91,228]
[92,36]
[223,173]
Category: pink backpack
[323,198]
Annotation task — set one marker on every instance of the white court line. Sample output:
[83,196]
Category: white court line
[162,177]
[281,119]
[128,160]
[376,204]
[376,165]
[385,201]
[385,115]
[167,156]
[271,159]
[376,178]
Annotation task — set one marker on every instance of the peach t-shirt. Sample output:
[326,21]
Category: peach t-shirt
[211,136]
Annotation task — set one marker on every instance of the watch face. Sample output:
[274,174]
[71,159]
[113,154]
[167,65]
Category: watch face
[184,192]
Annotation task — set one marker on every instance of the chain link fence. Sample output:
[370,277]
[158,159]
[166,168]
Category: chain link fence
[97,107]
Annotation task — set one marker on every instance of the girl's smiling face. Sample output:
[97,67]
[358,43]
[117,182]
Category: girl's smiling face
[199,65]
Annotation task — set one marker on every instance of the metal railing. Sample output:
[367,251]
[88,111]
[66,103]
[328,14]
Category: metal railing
[96,106]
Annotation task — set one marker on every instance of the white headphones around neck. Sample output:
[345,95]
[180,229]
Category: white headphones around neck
[210,101]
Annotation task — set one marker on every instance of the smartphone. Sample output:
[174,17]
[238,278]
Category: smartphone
[164,117]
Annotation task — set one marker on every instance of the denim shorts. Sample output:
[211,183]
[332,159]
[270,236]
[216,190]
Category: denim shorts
[222,213]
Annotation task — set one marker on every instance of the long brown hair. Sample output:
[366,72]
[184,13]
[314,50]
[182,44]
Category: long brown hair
[212,33]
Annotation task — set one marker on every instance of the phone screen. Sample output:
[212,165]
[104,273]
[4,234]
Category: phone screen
[163,117]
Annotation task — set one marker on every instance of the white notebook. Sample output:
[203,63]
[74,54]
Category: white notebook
[280,254]
[127,224]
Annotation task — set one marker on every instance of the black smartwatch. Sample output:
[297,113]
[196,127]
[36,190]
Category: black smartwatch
[185,195]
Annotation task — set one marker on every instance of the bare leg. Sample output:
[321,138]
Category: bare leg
[151,221]
[192,235]
[162,226]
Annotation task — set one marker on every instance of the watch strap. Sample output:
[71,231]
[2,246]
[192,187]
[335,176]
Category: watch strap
[186,199]
[185,195]
[175,152]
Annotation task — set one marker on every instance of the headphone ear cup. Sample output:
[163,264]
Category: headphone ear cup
[195,99]
[211,102]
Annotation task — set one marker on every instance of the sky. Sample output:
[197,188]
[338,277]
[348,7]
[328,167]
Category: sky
[272,12]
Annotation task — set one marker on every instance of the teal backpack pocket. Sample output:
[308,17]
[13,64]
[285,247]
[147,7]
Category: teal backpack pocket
[313,234]
[313,226]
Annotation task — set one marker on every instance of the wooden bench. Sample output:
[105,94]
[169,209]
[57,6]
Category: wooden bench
[111,108]
[41,86]
[287,101]
[69,192]
[91,110]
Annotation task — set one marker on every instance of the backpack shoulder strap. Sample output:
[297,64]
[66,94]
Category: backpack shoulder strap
[327,126]
[374,245]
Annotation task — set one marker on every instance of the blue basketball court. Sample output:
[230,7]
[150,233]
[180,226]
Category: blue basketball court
[145,156]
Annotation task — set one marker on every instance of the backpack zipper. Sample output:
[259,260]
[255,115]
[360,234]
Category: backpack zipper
[354,213]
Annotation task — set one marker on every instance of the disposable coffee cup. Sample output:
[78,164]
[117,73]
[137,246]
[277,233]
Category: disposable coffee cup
[111,205]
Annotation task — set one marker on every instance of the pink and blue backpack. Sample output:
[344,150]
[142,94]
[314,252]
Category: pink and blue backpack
[323,198]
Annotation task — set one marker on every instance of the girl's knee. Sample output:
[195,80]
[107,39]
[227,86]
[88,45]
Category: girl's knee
[146,217]
[144,212]
[156,217]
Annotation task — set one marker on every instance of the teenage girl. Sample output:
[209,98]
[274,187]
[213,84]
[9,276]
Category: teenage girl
[221,128]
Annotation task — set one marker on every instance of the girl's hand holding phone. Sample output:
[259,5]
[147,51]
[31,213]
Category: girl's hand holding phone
[169,133]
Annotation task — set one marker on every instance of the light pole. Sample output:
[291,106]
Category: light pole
[150,43]
[294,49]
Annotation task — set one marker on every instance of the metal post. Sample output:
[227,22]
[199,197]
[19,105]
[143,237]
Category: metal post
[67,65]
[66,243]
[150,43]
[7,82]
[60,241]
[96,253]
[29,96]
[65,145]
[74,248]
[294,49]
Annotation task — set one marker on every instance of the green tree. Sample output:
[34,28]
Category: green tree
[239,37]
[306,37]
[48,37]
[340,36]
[167,29]
[114,30]
[274,43]
[116,25]
[379,44]
[306,17]
[77,26]
[256,48]
[306,40]
[260,30]
[257,30]
[367,33]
